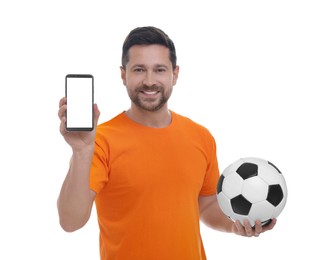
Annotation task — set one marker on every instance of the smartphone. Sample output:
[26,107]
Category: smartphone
[79,90]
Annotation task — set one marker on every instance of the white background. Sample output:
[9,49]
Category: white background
[256,73]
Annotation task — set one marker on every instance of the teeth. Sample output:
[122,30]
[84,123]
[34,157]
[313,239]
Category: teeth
[150,92]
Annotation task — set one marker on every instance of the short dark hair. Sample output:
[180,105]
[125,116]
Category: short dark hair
[146,36]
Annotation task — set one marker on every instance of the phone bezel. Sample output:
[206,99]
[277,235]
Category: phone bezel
[92,101]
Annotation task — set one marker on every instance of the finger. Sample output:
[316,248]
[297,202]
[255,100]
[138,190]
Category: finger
[240,228]
[248,228]
[62,102]
[62,111]
[270,226]
[96,114]
[257,228]
[62,128]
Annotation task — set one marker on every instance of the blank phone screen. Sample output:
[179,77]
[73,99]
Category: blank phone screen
[79,94]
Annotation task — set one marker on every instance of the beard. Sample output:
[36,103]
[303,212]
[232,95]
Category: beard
[145,102]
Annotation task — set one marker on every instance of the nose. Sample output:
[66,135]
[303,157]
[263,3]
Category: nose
[149,79]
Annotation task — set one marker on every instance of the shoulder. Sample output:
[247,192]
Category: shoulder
[116,124]
[110,128]
[187,122]
[192,127]
[118,119]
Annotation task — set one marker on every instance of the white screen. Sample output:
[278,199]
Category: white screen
[79,102]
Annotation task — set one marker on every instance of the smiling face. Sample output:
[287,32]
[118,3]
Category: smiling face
[149,77]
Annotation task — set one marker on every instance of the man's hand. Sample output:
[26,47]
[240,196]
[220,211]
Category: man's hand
[77,140]
[248,231]
[212,216]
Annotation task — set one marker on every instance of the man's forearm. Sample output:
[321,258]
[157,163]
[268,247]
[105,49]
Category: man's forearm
[76,199]
[212,216]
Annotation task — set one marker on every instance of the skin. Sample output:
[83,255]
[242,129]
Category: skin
[149,79]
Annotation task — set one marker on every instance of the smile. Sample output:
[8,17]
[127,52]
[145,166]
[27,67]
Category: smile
[150,92]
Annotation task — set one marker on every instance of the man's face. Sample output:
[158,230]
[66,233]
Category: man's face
[149,76]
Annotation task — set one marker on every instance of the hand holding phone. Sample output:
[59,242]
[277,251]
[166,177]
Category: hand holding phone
[79,90]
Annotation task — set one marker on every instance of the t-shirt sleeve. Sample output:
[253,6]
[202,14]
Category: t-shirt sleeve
[212,174]
[99,172]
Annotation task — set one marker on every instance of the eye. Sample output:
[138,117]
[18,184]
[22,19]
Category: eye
[161,70]
[138,70]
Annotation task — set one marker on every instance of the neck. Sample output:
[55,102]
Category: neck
[156,119]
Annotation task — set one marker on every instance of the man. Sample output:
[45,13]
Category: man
[151,172]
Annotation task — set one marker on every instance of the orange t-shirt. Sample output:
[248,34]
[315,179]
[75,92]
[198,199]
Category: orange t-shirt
[148,181]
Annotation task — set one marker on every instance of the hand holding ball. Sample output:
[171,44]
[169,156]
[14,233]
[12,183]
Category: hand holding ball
[252,189]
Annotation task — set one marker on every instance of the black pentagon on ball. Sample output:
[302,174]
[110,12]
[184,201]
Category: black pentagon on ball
[247,170]
[219,184]
[275,194]
[240,205]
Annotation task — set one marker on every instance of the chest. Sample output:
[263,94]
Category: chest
[158,165]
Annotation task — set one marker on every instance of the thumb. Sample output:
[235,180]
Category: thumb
[96,115]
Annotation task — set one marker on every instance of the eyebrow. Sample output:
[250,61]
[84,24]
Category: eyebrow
[155,66]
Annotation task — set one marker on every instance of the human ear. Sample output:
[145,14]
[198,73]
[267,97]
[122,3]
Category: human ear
[175,75]
[123,74]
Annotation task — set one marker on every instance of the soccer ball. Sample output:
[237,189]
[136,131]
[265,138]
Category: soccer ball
[252,189]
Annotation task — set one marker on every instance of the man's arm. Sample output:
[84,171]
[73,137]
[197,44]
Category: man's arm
[213,217]
[76,199]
